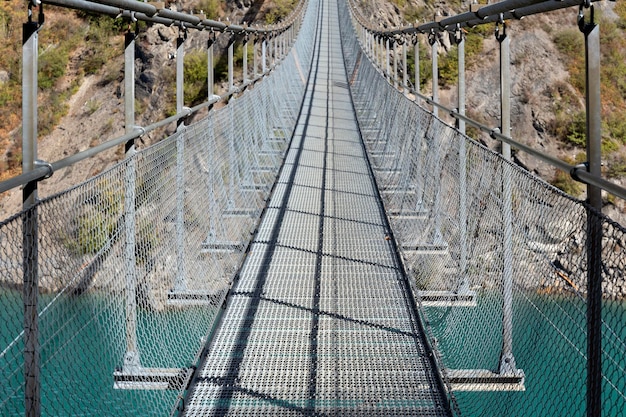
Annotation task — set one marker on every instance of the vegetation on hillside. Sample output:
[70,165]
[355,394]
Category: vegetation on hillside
[567,97]
[569,121]
[63,61]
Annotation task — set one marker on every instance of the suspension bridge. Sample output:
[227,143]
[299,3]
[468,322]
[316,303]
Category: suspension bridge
[323,244]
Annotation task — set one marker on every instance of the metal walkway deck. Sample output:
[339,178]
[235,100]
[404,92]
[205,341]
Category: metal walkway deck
[320,321]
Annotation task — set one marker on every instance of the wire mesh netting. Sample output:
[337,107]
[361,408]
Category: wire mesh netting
[135,263]
[498,260]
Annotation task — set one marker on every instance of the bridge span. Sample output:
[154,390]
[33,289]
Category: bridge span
[321,245]
[321,320]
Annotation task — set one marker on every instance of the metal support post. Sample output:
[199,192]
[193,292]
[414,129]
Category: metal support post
[284,45]
[376,50]
[463,283]
[131,358]
[507,360]
[232,160]
[273,51]
[387,63]
[594,225]
[405,72]
[380,53]
[432,39]
[271,54]
[30,239]
[417,65]
[181,283]
[231,69]
[245,59]
[255,58]
[264,55]
[180,59]
[395,65]
[210,69]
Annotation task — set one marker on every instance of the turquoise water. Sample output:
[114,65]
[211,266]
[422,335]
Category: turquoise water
[549,344]
[85,343]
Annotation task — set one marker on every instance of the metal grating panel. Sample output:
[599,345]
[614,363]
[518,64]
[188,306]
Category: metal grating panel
[320,321]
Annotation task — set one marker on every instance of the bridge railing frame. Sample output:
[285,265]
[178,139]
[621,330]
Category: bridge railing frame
[378,42]
[281,37]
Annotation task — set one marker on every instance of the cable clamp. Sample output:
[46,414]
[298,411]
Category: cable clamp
[583,26]
[574,171]
[39,163]
[500,36]
[141,129]
[432,37]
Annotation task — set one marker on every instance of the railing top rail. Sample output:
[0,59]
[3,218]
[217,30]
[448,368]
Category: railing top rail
[480,14]
[158,13]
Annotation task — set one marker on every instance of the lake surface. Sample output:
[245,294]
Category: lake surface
[87,334]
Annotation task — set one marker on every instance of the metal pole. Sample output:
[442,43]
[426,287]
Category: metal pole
[417,66]
[232,160]
[131,358]
[283,45]
[180,59]
[395,65]
[380,53]
[264,56]
[181,280]
[507,360]
[30,249]
[271,51]
[210,69]
[231,82]
[463,283]
[432,39]
[387,63]
[245,59]
[255,59]
[594,225]
[405,72]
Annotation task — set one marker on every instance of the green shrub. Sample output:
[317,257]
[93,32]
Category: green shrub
[567,184]
[212,9]
[617,168]
[425,65]
[195,76]
[93,233]
[449,68]
[281,9]
[100,34]
[52,66]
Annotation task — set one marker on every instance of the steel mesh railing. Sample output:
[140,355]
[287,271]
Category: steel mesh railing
[449,201]
[198,196]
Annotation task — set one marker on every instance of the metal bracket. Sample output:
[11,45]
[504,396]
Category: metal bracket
[40,19]
[458,34]
[212,38]
[182,32]
[583,26]
[574,171]
[432,37]
[151,378]
[500,36]
[40,163]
